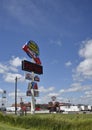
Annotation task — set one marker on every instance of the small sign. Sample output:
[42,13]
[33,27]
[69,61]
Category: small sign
[28,76]
[53,98]
[36,78]
[32,85]
[28,93]
[36,93]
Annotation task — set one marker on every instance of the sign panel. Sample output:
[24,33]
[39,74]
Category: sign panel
[33,47]
[28,76]
[36,93]
[36,78]
[32,51]
[32,67]
[28,93]
[53,98]
[32,85]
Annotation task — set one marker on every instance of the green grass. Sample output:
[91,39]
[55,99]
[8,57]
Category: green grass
[47,122]
[4,126]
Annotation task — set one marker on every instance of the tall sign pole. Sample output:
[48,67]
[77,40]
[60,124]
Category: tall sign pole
[32,50]
[33,98]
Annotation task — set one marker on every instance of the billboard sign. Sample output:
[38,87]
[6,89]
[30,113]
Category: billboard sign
[32,67]
[32,50]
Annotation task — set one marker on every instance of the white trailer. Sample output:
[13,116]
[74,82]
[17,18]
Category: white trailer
[69,108]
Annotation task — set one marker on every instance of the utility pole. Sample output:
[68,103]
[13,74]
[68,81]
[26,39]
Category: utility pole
[16,96]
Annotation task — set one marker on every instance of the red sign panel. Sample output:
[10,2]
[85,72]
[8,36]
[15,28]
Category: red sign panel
[32,67]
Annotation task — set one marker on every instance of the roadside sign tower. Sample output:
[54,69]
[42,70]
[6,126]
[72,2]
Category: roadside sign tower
[33,67]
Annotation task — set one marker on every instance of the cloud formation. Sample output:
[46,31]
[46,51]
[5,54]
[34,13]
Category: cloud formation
[42,89]
[15,61]
[84,68]
[11,70]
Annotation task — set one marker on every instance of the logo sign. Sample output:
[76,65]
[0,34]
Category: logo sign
[32,51]
[32,67]
[32,85]
[53,98]
[36,78]
[33,47]
[36,93]
[28,93]
[28,76]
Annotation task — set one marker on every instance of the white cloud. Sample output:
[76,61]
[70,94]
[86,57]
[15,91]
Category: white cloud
[3,68]
[11,96]
[87,97]
[13,69]
[22,10]
[1,90]
[16,61]
[84,68]
[42,89]
[86,49]
[69,63]
[10,71]
[19,94]
[53,94]
[76,87]
[58,42]
[10,77]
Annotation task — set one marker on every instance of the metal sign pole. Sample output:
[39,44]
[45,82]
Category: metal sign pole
[33,98]
[32,102]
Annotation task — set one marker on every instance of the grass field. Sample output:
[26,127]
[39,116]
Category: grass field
[46,122]
[4,126]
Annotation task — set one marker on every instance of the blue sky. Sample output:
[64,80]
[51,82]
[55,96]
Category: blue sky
[62,30]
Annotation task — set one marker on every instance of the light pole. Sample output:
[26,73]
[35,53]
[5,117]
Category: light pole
[16,96]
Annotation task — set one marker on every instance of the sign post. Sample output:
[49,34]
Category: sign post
[33,98]
[32,102]
[32,50]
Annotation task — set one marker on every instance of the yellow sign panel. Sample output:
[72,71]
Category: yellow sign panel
[33,47]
